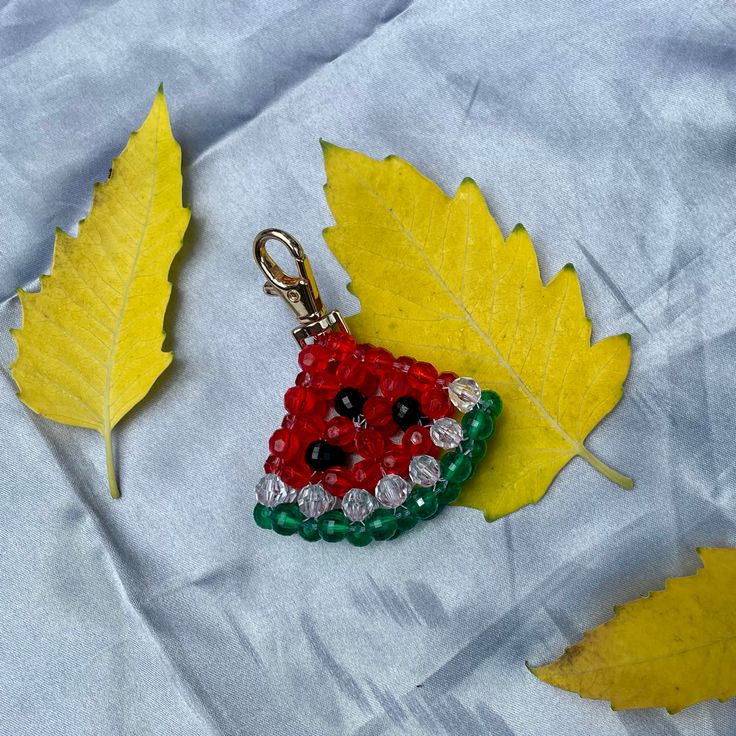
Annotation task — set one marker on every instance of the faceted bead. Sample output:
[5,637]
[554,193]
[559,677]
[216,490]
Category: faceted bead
[303,379]
[424,470]
[422,375]
[446,433]
[393,384]
[302,401]
[362,350]
[445,379]
[377,411]
[357,504]
[403,363]
[379,359]
[455,467]
[423,503]
[436,403]
[478,424]
[405,519]
[382,525]
[369,443]
[273,464]
[271,490]
[491,402]
[392,490]
[447,492]
[406,411]
[464,394]
[326,384]
[340,431]
[416,441]
[396,461]
[262,515]
[286,519]
[349,403]
[340,344]
[296,474]
[284,443]
[366,474]
[309,530]
[475,450]
[337,481]
[359,536]
[333,526]
[321,455]
[314,358]
[352,373]
[314,500]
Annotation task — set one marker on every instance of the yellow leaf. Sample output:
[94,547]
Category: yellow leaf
[436,280]
[672,649]
[89,348]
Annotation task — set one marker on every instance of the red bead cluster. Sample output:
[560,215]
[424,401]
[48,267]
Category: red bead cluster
[374,444]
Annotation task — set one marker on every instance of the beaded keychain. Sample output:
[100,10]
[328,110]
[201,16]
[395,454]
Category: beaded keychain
[371,444]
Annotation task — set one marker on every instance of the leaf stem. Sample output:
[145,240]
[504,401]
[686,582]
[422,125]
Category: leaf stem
[613,475]
[111,481]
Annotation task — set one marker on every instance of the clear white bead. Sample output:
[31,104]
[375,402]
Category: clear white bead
[357,504]
[464,394]
[314,500]
[446,433]
[271,490]
[292,493]
[424,470]
[392,490]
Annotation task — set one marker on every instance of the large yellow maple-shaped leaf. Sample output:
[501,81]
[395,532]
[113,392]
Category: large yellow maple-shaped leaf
[670,650]
[436,280]
[89,348]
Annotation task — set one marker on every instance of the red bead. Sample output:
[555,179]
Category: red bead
[297,475]
[340,431]
[446,378]
[377,411]
[337,481]
[417,441]
[366,474]
[351,373]
[340,344]
[394,384]
[301,401]
[422,375]
[326,384]
[362,350]
[369,443]
[284,443]
[273,465]
[303,379]
[403,363]
[314,358]
[379,359]
[436,403]
[396,461]
[307,429]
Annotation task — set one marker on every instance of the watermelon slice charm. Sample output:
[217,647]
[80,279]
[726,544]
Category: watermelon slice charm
[371,443]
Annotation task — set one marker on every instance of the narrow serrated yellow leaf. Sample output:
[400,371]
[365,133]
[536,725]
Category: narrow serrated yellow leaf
[437,280]
[672,649]
[89,348]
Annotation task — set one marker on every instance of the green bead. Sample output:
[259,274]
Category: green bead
[262,515]
[405,519]
[447,493]
[491,402]
[382,524]
[478,424]
[474,450]
[286,519]
[308,530]
[333,526]
[423,503]
[455,467]
[359,535]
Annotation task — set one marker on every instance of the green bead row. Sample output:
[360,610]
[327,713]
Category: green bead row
[457,466]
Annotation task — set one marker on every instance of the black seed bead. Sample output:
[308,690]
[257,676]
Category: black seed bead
[406,411]
[321,455]
[349,403]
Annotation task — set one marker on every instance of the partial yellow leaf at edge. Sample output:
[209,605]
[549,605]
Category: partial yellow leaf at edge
[672,649]
[437,280]
[89,348]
